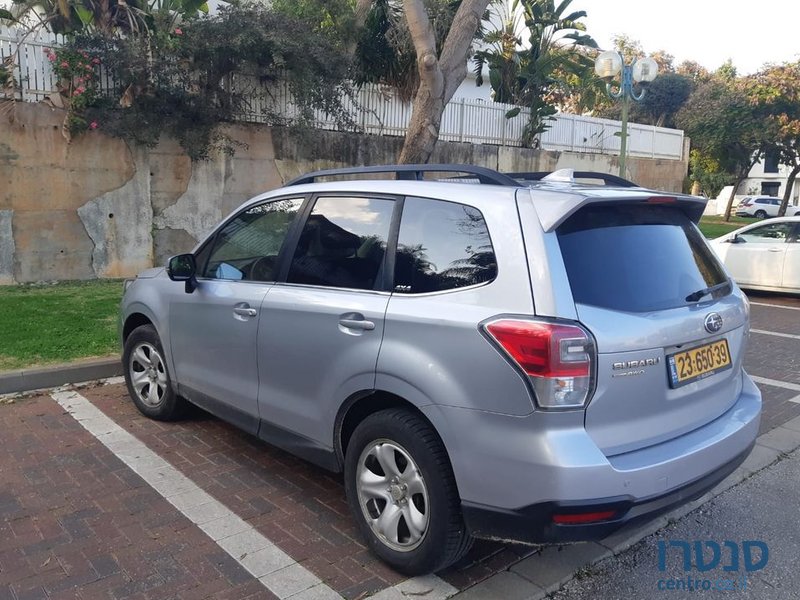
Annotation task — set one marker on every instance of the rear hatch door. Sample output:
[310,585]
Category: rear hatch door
[670,327]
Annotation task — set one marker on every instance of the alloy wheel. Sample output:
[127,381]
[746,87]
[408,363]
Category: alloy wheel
[392,495]
[148,374]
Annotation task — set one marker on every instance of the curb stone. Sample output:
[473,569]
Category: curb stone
[25,380]
[552,567]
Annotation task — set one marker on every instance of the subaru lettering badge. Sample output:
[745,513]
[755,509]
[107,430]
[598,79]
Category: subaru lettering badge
[713,322]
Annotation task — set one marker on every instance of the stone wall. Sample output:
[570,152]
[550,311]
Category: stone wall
[99,208]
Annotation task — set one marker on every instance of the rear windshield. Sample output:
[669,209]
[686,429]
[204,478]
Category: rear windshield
[637,258]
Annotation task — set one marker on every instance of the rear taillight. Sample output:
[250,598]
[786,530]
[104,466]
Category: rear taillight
[558,358]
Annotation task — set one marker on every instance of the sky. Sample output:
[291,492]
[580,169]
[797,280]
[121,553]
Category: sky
[706,31]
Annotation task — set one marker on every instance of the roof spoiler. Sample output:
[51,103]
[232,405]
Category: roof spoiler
[554,211]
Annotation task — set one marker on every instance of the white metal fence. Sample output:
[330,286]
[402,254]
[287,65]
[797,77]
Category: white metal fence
[377,110]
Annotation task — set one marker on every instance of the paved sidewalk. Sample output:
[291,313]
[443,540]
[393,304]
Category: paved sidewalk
[761,509]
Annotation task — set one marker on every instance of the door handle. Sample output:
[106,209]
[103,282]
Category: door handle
[357,324]
[774,249]
[244,311]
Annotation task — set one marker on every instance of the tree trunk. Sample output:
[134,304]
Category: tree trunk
[439,76]
[739,179]
[787,193]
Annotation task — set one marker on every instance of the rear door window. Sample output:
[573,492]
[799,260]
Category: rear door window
[637,258]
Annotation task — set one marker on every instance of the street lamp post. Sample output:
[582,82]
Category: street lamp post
[609,65]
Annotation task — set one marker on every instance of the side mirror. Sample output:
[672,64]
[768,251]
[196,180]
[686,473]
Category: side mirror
[183,268]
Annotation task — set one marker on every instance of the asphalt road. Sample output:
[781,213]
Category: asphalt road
[762,509]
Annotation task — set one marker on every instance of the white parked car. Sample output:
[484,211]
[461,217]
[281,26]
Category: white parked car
[762,207]
[764,255]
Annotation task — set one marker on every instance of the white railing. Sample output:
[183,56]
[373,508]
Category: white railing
[377,110]
[32,72]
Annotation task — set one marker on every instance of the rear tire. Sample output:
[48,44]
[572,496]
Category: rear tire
[147,377]
[760,214]
[402,493]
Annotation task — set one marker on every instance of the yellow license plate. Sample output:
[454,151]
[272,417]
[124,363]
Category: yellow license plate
[698,363]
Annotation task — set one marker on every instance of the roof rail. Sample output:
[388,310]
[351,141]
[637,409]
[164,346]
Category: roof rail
[414,172]
[568,175]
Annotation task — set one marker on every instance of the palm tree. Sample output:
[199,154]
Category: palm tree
[530,72]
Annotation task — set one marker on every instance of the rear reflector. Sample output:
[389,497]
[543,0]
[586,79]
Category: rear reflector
[557,358]
[662,200]
[580,518]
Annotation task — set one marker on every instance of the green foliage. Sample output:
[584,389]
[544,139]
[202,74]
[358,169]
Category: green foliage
[385,52]
[187,81]
[726,128]
[6,15]
[536,74]
[775,91]
[705,170]
[335,19]
[76,71]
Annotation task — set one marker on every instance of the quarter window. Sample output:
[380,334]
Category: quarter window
[247,248]
[442,246]
[343,243]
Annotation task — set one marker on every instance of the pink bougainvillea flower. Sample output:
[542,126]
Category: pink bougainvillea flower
[178,31]
[93,125]
[64,64]
[95,61]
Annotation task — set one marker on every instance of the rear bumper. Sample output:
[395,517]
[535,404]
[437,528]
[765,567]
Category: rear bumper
[515,473]
[534,523]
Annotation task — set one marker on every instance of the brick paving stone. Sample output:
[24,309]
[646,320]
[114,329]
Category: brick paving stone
[299,507]
[75,522]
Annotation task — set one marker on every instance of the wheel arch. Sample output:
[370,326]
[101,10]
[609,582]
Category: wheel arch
[134,320]
[362,404]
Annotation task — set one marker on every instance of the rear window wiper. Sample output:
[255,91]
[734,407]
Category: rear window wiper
[695,296]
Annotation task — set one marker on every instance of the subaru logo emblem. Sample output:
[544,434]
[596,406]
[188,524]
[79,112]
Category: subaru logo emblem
[713,323]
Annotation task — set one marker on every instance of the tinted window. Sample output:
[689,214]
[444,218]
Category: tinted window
[770,162]
[636,258]
[442,246]
[343,243]
[767,234]
[247,247]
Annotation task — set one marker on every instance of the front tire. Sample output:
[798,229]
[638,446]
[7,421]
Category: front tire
[402,493]
[147,376]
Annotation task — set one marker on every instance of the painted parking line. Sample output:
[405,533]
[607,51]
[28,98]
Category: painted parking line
[776,334]
[774,305]
[781,384]
[276,570]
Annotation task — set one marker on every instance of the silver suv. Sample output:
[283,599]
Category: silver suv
[510,357]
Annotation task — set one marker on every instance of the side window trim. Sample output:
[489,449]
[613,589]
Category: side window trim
[212,238]
[293,237]
[390,258]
